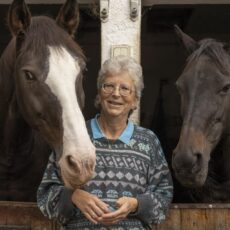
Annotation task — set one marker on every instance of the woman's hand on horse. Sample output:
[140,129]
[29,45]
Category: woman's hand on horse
[125,206]
[90,205]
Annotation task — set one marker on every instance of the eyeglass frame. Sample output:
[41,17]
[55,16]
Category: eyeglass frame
[115,86]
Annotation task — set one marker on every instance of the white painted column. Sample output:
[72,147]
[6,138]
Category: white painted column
[120,34]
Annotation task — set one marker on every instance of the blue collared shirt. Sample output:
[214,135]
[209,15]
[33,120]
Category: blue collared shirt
[124,137]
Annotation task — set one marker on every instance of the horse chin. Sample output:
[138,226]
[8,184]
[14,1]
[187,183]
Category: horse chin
[73,178]
[72,182]
[191,180]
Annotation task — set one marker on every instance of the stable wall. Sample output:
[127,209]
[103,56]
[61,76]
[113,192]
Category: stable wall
[162,57]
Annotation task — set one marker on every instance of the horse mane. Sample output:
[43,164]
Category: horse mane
[215,51]
[44,31]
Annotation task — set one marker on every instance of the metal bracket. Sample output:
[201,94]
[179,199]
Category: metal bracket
[134,5]
[104,10]
[124,50]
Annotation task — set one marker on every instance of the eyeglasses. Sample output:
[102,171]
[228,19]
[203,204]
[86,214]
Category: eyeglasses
[109,88]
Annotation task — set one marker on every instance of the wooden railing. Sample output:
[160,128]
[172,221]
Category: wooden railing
[197,217]
[26,216]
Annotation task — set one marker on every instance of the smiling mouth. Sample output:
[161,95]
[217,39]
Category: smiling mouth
[115,103]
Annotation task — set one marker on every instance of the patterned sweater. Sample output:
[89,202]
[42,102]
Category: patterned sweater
[132,166]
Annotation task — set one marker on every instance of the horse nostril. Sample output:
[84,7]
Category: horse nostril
[197,162]
[41,116]
[198,156]
[72,164]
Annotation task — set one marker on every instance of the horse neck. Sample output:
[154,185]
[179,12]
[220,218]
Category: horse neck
[17,134]
[7,63]
[226,156]
[14,131]
[226,145]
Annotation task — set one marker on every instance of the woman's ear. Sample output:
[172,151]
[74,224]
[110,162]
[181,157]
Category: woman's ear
[97,102]
[135,104]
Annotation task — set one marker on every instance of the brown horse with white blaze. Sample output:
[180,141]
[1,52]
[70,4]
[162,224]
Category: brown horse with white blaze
[201,159]
[41,101]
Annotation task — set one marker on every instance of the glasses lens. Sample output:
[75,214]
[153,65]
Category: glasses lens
[124,90]
[108,87]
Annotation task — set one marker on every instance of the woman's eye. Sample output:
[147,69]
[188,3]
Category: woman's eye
[125,88]
[29,76]
[109,86]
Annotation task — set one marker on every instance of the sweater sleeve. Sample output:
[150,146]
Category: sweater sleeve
[53,198]
[154,203]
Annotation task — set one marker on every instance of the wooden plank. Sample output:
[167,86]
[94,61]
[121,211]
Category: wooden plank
[172,222]
[14,227]
[41,225]
[24,215]
[218,219]
[197,217]
[3,216]
[180,217]
[200,205]
[193,219]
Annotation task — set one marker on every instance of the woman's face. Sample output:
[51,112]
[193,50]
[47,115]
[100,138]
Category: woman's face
[117,95]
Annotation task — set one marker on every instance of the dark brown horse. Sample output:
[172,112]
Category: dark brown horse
[201,159]
[40,103]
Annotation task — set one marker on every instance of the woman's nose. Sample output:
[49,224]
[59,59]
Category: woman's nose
[116,91]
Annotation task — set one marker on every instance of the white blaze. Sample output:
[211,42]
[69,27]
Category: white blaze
[63,71]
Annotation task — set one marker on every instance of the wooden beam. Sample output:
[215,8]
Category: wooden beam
[48,2]
[183,2]
[144,2]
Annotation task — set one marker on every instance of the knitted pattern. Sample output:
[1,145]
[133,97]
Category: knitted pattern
[137,169]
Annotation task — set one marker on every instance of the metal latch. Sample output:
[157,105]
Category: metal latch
[134,6]
[104,10]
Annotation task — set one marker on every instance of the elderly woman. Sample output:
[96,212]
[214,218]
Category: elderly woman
[132,186]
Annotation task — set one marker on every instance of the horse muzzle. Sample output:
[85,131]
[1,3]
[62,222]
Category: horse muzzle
[77,172]
[190,169]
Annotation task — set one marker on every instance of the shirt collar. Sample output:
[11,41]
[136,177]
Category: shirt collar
[124,137]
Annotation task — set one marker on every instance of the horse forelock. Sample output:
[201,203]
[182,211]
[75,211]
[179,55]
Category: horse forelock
[44,32]
[215,51]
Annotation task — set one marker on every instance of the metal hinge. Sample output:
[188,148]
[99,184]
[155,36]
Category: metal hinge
[134,8]
[104,10]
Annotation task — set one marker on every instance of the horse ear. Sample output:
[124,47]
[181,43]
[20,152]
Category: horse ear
[19,17]
[189,43]
[68,16]
[227,47]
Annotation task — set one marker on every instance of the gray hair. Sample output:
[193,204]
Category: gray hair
[121,64]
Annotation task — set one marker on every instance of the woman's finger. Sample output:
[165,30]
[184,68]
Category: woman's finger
[98,210]
[102,205]
[90,218]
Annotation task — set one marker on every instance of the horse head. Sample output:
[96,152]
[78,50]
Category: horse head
[48,86]
[204,88]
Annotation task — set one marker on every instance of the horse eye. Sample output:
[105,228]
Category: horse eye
[225,88]
[29,76]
